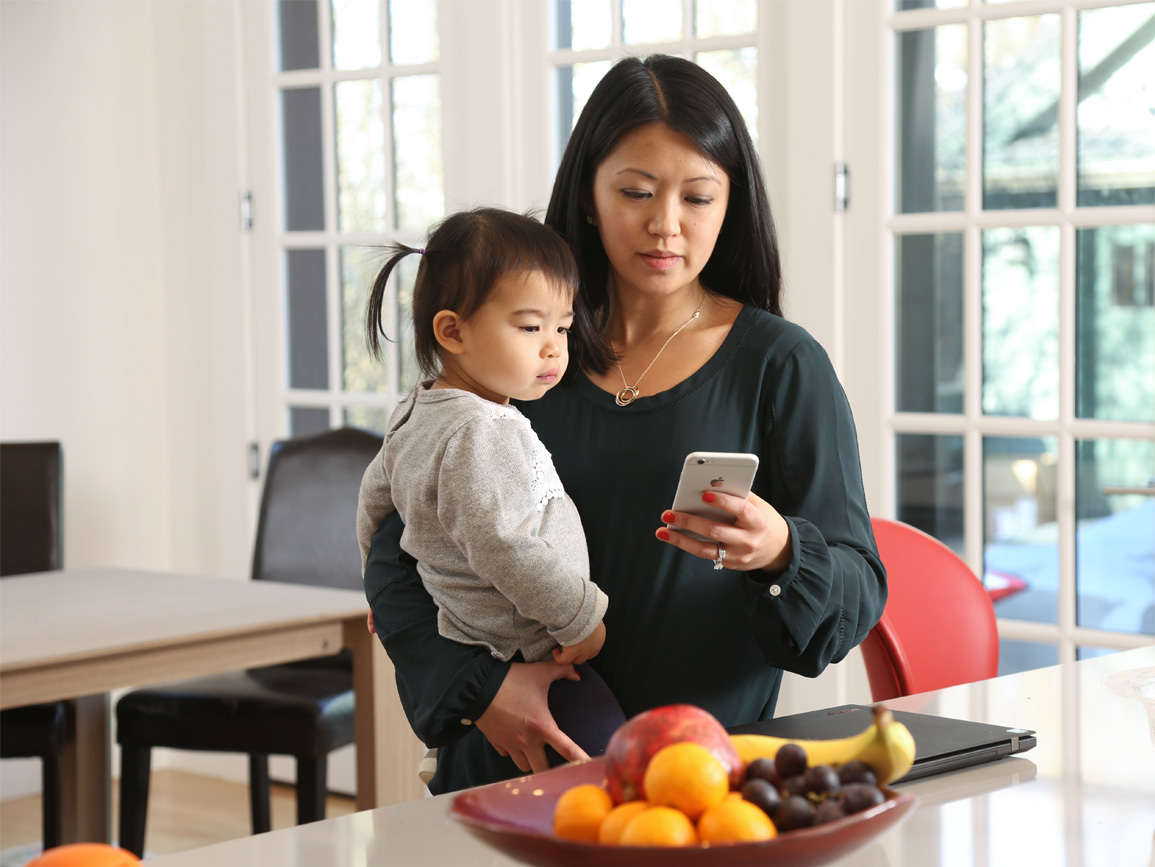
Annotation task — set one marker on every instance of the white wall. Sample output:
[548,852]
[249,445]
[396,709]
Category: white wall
[122,306]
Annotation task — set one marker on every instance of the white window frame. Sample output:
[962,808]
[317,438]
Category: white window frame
[871,224]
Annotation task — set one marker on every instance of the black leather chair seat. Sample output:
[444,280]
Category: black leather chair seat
[298,711]
[36,730]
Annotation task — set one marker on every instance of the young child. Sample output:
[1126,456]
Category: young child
[498,543]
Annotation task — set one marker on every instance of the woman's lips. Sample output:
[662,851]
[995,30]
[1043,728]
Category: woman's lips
[661,261]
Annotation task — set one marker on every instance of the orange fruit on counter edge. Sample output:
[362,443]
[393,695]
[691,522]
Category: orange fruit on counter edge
[611,829]
[85,855]
[687,776]
[659,826]
[580,811]
[735,821]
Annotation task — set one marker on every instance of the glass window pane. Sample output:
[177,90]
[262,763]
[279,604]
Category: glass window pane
[930,486]
[737,70]
[1021,322]
[305,420]
[574,86]
[304,179]
[370,418]
[1116,114]
[584,24]
[645,21]
[418,176]
[1021,75]
[1020,530]
[1016,656]
[932,126]
[928,314]
[308,323]
[297,27]
[356,34]
[413,31]
[360,135]
[1115,541]
[1115,323]
[903,5]
[361,373]
[724,17]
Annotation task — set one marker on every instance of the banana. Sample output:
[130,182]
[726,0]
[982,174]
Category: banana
[886,745]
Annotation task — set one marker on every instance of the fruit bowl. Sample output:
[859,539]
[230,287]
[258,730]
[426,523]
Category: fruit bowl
[516,817]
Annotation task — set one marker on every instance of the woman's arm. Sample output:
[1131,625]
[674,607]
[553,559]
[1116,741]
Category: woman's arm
[441,682]
[814,583]
[447,687]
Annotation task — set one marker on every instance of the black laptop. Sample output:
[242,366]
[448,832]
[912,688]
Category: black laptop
[941,743]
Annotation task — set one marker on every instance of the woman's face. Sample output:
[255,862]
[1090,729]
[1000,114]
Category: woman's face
[659,206]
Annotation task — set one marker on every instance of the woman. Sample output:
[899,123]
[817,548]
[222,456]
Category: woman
[660,196]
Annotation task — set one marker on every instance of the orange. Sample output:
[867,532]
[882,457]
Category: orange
[735,821]
[580,812]
[615,822]
[85,855]
[659,826]
[688,776]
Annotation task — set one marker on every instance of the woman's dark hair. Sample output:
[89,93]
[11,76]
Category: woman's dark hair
[670,90]
[464,256]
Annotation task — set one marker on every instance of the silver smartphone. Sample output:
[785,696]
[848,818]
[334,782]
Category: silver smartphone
[729,472]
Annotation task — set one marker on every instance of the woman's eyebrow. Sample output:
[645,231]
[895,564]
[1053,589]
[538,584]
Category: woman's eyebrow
[632,171]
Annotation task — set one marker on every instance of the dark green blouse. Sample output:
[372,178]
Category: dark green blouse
[676,629]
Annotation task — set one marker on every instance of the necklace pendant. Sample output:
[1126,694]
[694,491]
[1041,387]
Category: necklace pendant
[626,395]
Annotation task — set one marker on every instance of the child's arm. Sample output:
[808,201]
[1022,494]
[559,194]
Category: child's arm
[587,648]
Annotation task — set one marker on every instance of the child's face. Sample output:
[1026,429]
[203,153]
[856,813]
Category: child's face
[516,344]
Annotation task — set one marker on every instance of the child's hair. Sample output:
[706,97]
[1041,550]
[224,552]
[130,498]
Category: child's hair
[464,256]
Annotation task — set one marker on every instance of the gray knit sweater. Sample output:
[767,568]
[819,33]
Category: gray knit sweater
[498,542]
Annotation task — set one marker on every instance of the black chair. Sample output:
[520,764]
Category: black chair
[31,488]
[306,534]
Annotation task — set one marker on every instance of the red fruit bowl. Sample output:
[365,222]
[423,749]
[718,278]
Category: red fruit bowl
[516,817]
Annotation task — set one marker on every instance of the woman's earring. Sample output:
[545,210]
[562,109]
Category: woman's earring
[590,220]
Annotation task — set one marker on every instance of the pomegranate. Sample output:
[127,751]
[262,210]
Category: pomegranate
[632,746]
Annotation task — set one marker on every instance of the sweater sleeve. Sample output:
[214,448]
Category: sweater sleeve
[444,685]
[833,591]
[515,528]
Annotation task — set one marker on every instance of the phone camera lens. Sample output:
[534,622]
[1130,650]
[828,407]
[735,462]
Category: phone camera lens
[701,461]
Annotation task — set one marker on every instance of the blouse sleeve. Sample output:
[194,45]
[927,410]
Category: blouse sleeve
[833,591]
[444,685]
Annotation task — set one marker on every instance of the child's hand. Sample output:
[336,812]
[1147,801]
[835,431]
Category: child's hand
[587,648]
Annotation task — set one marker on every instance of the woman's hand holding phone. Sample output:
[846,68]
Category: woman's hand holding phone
[714,508]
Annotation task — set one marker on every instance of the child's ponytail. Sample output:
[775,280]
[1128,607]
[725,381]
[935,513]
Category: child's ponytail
[374,328]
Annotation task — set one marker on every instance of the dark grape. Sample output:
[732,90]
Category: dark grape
[790,760]
[857,772]
[795,785]
[763,769]
[828,811]
[821,780]
[857,797]
[762,794]
[794,812]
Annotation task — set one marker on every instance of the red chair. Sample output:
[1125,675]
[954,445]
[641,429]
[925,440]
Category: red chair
[938,628]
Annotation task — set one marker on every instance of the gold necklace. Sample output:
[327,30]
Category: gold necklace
[629,393]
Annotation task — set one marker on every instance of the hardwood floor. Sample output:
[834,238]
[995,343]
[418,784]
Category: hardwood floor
[185,811]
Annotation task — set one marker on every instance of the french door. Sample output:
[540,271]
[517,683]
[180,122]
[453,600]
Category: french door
[1002,239]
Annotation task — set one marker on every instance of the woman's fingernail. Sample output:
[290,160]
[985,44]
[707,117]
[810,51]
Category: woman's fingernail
[668,517]
[707,497]
[664,535]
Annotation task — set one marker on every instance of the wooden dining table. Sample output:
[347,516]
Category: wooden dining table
[78,634]
[1085,795]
